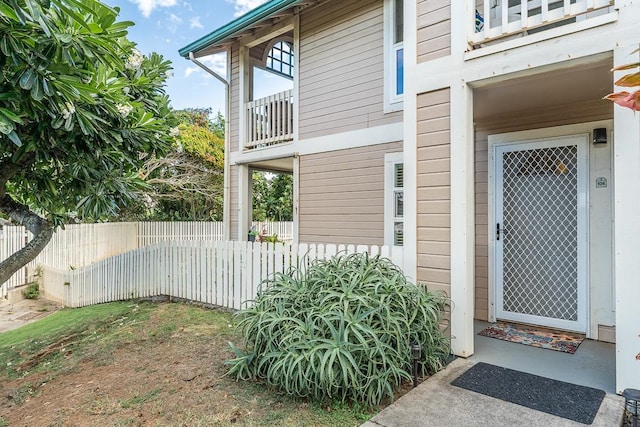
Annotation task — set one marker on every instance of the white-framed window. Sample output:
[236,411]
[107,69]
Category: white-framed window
[394,54]
[280,59]
[393,199]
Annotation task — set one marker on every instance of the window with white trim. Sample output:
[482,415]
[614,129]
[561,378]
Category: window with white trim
[280,59]
[394,200]
[394,54]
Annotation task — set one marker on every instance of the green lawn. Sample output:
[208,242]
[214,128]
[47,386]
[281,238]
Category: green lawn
[129,363]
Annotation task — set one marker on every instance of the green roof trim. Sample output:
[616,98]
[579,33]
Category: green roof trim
[247,20]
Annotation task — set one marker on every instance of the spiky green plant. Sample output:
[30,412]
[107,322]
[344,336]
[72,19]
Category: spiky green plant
[340,329]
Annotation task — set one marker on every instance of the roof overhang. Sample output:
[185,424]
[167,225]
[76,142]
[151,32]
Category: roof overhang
[265,15]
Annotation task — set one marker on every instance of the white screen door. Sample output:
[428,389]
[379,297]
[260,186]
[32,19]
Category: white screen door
[540,232]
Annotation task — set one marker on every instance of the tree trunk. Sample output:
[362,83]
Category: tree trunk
[42,231]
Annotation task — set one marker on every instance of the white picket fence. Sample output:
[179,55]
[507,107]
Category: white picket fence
[78,245]
[226,274]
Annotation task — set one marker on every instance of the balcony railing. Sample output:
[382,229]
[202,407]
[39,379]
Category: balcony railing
[499,19]
[269,121]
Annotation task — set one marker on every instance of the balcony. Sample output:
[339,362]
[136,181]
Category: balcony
[500,20]
[269,120]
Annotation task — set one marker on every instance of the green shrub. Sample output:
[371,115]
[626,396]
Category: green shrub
[32,291]
[340,329]
[271,239]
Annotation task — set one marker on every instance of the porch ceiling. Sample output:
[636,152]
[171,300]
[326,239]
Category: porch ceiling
[580,83]
[275,165]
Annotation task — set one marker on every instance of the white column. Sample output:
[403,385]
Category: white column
[462,220]
[410,131]
[296,198]
[626,146]
[244,202]
[462,191]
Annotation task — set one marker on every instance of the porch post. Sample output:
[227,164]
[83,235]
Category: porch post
[462,219]
[626,235]
[244,202]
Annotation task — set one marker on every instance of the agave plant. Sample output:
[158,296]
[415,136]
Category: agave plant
[340,329]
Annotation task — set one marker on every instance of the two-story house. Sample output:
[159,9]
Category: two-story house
[472,133]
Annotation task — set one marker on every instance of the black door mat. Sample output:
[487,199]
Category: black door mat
[570,401]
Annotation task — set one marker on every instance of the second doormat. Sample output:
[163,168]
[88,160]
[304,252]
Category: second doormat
[527,335]
[570,401]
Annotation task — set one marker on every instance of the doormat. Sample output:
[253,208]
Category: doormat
[573,402]
[535,337]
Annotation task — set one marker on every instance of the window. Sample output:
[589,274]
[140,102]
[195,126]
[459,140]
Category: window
[394,200]
[394,54]
[280,59]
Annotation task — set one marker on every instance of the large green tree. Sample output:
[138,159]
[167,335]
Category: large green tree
[187,183]
[80,110]
[272,196]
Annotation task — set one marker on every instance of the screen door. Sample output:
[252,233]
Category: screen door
[540,232]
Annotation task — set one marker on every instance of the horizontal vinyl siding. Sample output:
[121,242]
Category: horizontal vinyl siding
[433,190]
[341,195]
[522,120]
[234,124]
[434,29]
[342,68]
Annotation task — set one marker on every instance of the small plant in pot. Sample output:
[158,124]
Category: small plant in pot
[252,235]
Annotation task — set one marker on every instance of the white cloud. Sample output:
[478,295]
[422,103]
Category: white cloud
[147,6]
[195,23]
[190,70]
[175,19]
[244,6]
[217,63]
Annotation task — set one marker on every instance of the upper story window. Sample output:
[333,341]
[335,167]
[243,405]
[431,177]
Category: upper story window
[394,54]
[280,58]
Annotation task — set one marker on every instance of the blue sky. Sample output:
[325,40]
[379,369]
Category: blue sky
[164,26]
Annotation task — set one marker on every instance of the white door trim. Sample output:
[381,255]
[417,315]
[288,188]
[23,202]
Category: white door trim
[562,136]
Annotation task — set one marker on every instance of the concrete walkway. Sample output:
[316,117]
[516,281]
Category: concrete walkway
[437,403]
[16,312]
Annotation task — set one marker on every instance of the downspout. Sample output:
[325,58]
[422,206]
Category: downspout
[226,219]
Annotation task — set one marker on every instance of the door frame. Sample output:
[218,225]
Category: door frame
[540,136]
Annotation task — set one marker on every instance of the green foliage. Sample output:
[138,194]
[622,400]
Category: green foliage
[271,239]
[272,197]
[187,183]
[340,329]
[79,106]
[32,291]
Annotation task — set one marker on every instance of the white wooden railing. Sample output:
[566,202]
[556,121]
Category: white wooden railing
[269,121]
[79,245]
[496,19]
[226,274]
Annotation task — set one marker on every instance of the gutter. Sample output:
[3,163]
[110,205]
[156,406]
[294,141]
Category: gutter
[226,219]
[240,24]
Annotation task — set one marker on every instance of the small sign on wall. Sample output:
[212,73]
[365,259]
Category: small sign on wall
[601,182]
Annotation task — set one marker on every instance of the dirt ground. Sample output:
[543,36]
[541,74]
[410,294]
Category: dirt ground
[151,379]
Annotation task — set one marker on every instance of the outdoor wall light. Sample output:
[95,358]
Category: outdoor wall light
[631,400]
[600,136]
[415,353]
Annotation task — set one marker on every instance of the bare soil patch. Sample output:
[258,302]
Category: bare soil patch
[162,365]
